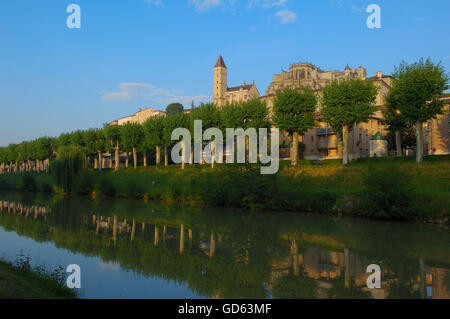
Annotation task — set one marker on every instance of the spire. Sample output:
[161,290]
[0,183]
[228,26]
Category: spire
[220,63]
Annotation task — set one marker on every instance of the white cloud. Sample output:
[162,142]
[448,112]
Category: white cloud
[357,8]
[204,5]
[266,3]
[132,90]
[155,2]
[286,16]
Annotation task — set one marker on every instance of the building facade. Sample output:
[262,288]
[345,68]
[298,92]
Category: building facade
[139,117]
[322,142]
[223,94]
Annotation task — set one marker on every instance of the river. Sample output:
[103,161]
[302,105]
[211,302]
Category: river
[134,249]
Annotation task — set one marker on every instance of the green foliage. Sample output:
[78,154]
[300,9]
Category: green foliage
[294,110]
[174,108]
[27,183]
[348,102]
[407,138]
[172,122]
[67,166]
[104,187]
[416,89]
[153,131]
[83,183]
[388,194]
[131,135]
[295,287]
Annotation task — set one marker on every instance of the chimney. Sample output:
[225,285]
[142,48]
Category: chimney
[379,74]
[244,83]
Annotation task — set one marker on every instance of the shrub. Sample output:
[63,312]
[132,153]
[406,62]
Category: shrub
[27,183]
[68,164]
[388,194]
[83,184]
[134,189]
[104,187]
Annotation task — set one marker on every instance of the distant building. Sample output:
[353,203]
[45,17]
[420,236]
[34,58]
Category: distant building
[223,94]
[437,131]
[139,117]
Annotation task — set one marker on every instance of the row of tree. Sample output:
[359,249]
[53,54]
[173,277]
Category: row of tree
[413,99]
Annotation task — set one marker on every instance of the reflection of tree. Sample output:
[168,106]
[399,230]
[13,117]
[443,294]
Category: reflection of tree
[228,255]
[340,291]
[402,290]
[295,287]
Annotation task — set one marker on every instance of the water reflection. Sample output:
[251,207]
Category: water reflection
[225,254]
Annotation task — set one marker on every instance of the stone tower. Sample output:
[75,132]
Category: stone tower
[220,82]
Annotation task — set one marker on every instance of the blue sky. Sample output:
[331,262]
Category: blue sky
[146,53]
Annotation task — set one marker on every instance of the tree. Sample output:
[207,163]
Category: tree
[112,134]
[153,132]
[294,113]
[174,108]
[396,123]
[171,123]
[347,103]
[100,146]
[43,151]
[415,92]
[209,115]
[132,136]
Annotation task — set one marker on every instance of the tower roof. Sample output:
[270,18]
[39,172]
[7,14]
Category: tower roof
[220,63]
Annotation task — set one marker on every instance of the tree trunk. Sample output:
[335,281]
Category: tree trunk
[158,155]
[126,160]
[134,158]
[183,155]
[419,142]
[116,157]
[398,143]
[294,155]
[345,145]
[95,163]
[166,157]
[99,161]
[145,159]
[213,154]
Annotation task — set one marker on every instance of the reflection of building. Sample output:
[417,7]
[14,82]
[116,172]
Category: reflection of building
[223,94]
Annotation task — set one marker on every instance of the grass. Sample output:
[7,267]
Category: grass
[21,281]
[327,188]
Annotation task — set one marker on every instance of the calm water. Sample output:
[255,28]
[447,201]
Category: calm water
[132,249]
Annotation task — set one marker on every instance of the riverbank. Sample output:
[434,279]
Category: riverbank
[22,282]
[381,188]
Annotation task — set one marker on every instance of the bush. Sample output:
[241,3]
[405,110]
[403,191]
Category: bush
[134,189]
[104,187]
[27,183]
[83,184]
[388,194]
[68,164]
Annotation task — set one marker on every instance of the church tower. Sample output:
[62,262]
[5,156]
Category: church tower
[220,82]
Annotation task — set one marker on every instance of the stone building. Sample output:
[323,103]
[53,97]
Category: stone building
[139,117]
[437,131]
[322,142]
[224,94]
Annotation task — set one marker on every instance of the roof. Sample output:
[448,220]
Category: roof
[378,137]
[237,88]
[220,63]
